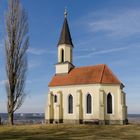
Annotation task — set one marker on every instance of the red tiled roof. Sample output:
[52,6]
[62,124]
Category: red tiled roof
[99,74]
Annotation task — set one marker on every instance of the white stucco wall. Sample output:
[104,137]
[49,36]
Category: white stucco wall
[99,104]
[63,68]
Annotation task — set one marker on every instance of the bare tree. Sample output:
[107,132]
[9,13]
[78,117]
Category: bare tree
[16,45]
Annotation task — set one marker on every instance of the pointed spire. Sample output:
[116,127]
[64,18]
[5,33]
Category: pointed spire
[65,37]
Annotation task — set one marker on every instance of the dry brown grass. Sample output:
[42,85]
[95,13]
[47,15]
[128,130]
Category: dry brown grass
[76,132]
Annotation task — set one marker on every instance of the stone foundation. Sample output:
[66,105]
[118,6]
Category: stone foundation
[58,121]
[49,121]
[100,122]
[111,122]
[73,121]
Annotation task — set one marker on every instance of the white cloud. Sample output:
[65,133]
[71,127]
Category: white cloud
[29,81]
[33,64]
[95,52]
[3,82]
[2,45]
[109,50]
[114,25]
[36,51]
[119,24]
[40,51]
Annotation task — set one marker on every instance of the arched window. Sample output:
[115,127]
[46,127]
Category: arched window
[62,55]
[70,104]
[55,98]
[89,104]
[109,103]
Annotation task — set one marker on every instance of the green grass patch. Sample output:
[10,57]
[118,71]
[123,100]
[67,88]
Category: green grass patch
[73,132]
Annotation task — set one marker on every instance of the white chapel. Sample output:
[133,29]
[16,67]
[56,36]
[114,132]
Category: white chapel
[89,94]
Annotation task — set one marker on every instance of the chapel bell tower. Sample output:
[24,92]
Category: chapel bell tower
[65,49]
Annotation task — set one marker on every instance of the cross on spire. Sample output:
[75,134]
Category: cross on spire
[65,13]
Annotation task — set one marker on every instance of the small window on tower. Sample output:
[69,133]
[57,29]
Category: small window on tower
[62,55]
[55,98]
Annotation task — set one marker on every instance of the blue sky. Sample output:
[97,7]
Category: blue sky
[103,31]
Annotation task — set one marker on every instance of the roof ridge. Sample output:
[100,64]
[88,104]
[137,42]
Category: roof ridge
[113,74]
[90,66]
[102,74]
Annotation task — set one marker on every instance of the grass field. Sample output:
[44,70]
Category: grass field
[64,132]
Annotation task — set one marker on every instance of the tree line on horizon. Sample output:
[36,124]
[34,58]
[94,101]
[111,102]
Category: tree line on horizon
[16,45]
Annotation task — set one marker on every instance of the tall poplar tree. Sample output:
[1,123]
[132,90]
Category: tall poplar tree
[16,45]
